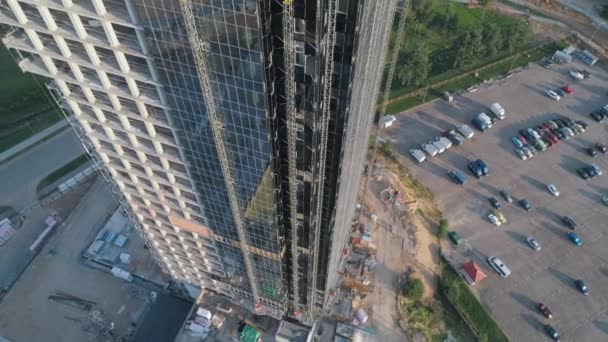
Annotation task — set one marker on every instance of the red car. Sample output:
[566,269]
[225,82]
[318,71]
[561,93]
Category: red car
[544,310]
[552,137]
[568,90]
[601,147]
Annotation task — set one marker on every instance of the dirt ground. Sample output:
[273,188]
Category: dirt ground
[405,235]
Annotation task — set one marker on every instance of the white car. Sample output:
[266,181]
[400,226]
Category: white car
[533,243]
[466,131]
[528,152]
[494,220]
[553,189]
[439,146]
[553,95]
[418,155]
[430,149]
[521,154]
[499,266]
[445,141]
[577,75]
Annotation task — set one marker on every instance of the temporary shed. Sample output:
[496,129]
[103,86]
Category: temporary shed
[472,273]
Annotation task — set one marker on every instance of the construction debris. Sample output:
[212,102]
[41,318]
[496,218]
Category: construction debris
[71,300]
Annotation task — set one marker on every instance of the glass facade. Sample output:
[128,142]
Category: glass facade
[234,130]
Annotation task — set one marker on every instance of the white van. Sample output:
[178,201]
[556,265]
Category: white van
[497,110]
[499,266]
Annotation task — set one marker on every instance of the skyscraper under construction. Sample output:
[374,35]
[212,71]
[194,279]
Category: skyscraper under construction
[234,131]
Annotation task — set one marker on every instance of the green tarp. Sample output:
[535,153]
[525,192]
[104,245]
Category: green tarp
[249,334]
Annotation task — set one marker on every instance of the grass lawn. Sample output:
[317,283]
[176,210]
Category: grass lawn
[441,37]
[17,133]
[491,71]
[455,289]
[62,171]
[20,94]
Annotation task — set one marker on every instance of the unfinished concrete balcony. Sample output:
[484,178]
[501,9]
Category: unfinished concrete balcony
[35,65]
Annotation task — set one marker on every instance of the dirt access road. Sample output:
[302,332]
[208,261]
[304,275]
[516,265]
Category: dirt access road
[402,243]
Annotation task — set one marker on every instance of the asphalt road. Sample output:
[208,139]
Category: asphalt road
[546,276]
[20,176]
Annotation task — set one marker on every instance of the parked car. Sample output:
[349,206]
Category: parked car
[582,172]
[466,131]
[430,149]
[455,238]
[458,176]
[605,199]
[528,151]
[583,124]
[581,286]
[601,147]
[568,90]
[507,197]
[553,189]
[456,138]
[552,332]
[497,110]
[500,215]
[592,151]
[517,142]
[577,75]
[418,155]
[597,116]
[569,222]
[494,219]
[596,169]
[494,202]
[553,95]
[445,141]
[499,266]
[533,243]
[439,146]
[544,310]
[575,239]
[521,154]
[525,204]
[448,97]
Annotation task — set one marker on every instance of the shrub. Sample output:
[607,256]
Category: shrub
[413,289]
[443,228]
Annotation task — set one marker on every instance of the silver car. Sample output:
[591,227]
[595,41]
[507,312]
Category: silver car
[418,155]
[533,243]
[430,149]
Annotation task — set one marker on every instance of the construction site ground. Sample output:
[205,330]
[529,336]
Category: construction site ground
[83,301]
[403,220]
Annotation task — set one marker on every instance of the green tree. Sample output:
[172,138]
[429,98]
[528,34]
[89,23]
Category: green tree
[492,39]
[420,11]
[413,289]
[484,3]
[476,43]
[450,18]
[414,65]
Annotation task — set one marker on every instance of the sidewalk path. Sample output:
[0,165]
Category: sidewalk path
[62,124]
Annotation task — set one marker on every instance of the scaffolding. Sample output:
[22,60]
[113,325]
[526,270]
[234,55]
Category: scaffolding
[389,82]
[199,49]
[326,80]
[290,85]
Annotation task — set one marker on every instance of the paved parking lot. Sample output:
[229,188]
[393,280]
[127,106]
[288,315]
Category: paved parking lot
[546,276]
